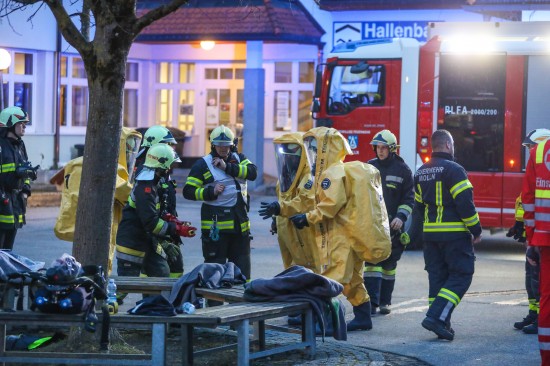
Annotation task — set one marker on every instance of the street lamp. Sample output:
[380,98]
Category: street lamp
[5,62]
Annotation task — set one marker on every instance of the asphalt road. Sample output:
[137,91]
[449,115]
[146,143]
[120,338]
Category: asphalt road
[483,320]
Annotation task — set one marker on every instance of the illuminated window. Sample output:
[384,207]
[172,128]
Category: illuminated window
[164,74]
[282,114]
[130,117]
[305,122]
[187,73]
[78,68]
[23,64]
[306,72]
[80,105]
[186,118]
[164,107]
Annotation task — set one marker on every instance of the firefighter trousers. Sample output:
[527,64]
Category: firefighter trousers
[230,247]
[532,285]
[544,315]
[450,267]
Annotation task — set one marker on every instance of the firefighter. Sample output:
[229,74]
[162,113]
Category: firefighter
[444,197]
[529,324]
[344,208]
[16,174]
[535,196]
[167,186]
[219,179]
[154,135]
[397,185]
[146,242]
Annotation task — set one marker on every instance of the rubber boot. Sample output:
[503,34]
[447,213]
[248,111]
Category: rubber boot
[439,328]
[528,320]
[373,285]
[362,320]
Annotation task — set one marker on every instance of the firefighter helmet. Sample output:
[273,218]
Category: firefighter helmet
[385,137]
[536,136]
[12,115]
[222,136]
[157,134]
[161,156]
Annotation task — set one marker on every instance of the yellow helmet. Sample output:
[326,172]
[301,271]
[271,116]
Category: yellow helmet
[157,134]
[385,137]
[161,156]
[222,136]
[12,115]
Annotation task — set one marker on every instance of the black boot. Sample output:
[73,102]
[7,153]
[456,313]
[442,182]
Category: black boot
[362,320]
[528,320]
[439,328]
[532,328]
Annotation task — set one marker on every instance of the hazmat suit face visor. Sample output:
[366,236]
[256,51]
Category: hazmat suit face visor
[310,145]
[132,148]
[288,158]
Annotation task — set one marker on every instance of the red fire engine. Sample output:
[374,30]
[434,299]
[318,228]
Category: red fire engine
[480,81]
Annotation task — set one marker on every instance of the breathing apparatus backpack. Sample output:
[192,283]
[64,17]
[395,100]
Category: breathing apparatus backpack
[67,288]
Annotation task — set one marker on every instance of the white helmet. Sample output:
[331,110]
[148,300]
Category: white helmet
[536,137]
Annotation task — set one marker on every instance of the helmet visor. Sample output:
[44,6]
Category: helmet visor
[310,144]
[288,158]
[132,148]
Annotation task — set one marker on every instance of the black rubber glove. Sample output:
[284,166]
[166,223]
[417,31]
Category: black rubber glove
[517,231]
[300,221]
[269,209]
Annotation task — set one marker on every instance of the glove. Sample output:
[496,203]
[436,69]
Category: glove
[171,250]
[185,230]
[300,221]
[269,209]
[25,170]
[517,231]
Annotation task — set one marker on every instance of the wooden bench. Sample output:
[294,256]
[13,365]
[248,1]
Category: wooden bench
[238,315]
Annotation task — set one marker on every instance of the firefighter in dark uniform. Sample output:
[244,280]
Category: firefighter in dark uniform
[147,242]
[397,185]
[444,197]
[219,179]
[16,174]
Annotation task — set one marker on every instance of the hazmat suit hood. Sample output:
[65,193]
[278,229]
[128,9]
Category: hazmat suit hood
[291,162]
[332,148]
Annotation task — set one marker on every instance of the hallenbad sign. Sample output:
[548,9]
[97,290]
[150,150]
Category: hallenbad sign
[356,31]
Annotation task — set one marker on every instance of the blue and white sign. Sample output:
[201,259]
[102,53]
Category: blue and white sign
[356,31]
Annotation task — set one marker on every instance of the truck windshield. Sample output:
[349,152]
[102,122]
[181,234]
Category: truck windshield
[349,90]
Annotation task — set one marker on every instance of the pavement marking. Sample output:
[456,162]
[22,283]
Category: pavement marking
[522,301]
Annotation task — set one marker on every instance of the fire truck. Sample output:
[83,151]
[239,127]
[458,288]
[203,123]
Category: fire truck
[483,82]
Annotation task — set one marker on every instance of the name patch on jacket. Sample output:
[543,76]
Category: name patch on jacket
[308,184]
[325,183]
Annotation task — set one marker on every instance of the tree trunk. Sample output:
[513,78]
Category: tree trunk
[105,67]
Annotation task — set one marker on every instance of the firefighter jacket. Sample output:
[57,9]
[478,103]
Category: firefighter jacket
[349,215]
[229,209]
[444,197]
[142,227]
[397,185]
[298,247]
[13,204]
[535,195]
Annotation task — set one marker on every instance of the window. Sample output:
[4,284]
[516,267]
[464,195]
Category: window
[130,116]
[283,72]
[78,68]
[281,117]
[187,73]
[63,63]
[132,71]
[164,73]
[307,72]
[355,86]
[80,105]
[186,119]
[211,74]
[305,122]
[164,107]
[18,81]
[226,74]
[471,108]
[63,106]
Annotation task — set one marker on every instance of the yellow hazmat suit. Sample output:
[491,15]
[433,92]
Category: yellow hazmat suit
[295,195]
[70,177]
[350,216]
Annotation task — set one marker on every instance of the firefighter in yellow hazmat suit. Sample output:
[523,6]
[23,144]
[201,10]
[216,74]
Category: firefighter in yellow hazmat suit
[69,176]
[350,218]
[294,195]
